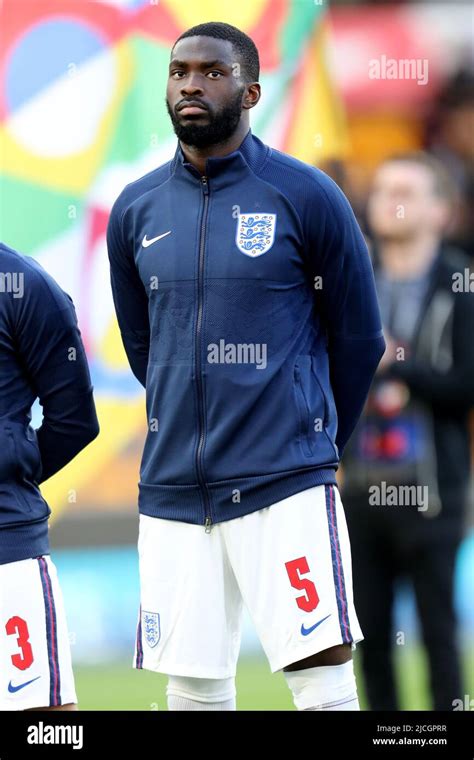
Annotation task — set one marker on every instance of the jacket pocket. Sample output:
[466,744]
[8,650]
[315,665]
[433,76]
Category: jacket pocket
[12,502]
[309,407]
[329,413]
[7,453]
[20,469]
[33,454]
[27,454]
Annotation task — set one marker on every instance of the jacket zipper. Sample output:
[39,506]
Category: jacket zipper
[200,448]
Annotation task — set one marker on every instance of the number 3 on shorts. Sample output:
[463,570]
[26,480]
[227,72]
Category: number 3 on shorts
[16,626]
[310,599]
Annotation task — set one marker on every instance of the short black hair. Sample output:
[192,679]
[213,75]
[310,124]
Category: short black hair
[244,47]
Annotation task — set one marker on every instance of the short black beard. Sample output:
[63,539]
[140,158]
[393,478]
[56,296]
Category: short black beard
[221,126]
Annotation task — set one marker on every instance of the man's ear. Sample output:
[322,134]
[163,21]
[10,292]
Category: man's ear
[252,95]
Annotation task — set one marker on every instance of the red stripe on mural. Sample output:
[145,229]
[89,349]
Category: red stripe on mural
[155,21]
[96,226]
[267,31]
[109,22]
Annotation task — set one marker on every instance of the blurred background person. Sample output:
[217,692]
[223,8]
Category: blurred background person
[414,432]
[450,137]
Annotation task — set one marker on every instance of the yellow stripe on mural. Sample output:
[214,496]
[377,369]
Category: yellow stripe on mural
[243,14]
[318,130]
[119,421]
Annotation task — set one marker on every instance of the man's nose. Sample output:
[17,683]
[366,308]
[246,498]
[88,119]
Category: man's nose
[192,85]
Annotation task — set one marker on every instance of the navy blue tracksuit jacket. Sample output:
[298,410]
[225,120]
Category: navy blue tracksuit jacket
[41,356]
[246,303]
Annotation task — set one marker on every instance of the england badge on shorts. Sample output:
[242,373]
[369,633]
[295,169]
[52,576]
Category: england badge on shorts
[255,233]
[151,627]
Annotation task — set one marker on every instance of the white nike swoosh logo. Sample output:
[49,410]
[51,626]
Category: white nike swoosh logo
[146,242]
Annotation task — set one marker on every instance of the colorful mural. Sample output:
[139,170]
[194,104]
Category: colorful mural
[82,112]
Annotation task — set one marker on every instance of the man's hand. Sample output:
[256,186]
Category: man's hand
[390,355]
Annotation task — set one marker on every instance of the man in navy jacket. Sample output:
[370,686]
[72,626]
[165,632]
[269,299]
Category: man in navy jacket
[41,356]
[246,303]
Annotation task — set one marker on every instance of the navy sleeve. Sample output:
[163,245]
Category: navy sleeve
[130,298]
[347,302]
[49,346]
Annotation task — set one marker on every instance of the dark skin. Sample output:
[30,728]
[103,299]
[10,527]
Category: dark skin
[333,656]
[205,68]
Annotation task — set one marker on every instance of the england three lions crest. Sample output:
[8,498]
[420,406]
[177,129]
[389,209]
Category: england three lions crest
[151,628]
[255,233]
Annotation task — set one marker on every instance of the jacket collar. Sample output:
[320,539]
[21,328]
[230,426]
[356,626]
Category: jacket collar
[225,170]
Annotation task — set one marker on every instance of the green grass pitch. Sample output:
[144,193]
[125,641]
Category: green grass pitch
[120,687]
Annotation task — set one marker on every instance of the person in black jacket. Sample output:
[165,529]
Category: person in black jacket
[41,357]
[406,470]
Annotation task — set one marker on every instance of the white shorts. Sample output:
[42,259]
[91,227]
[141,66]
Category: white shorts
[35,656]
[289,563]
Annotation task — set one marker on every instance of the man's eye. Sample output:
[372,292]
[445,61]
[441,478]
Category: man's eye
[219,74]
[176,74]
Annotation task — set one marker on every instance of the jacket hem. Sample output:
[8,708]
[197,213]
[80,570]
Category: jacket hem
[23,541]
[229,498]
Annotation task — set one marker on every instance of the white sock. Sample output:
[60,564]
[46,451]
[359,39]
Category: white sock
[185,693]
[184,703]
[328,687]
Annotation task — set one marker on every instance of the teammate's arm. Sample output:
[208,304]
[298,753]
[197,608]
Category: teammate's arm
[347,302]
[130,298]
[50,348]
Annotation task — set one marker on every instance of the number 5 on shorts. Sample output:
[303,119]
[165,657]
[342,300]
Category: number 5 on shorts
[310,599]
